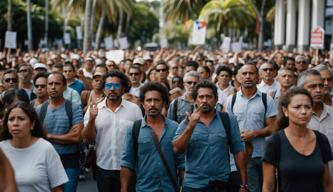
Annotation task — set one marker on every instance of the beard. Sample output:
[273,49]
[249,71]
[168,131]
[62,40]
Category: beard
[153,112]
[113,96]
[206,108]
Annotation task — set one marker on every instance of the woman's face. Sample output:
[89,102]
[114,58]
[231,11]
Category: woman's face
[299,110]
[19,123]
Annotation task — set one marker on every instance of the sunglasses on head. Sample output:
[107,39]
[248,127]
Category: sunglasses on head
[109,86]
[14,80]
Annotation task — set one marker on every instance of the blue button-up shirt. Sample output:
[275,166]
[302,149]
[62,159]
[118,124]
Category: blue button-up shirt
[150,171]
[207,154]
[251,116]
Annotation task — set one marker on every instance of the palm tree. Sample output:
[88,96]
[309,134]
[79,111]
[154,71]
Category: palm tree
[10,16]
[260,19]
[227,14]
[87,22]
[183,10]
[29,25]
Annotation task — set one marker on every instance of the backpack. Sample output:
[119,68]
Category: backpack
[68,108]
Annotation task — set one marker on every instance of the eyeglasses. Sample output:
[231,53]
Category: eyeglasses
[161,70]
[301,62]
[268,69]
[116,86]
[134,74]
[191,82]
[41,86]
[14,80]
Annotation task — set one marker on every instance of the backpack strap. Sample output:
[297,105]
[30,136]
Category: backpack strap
[226,124]
[175,109]
[43,111]
[264,101]
[321,142]
[69,112]
[135,138]
[233,100]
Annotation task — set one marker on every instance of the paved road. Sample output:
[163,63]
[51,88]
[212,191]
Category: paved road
[87,185]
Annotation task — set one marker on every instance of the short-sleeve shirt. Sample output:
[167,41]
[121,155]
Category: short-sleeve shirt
[251,116]
[298,172]
[207,154]
[77,85]
[150,171]
[56,122]
[37,168]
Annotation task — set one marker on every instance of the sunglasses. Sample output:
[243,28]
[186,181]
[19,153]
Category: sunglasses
[14,80]
[161,70]
[268,69]
[135,74]
[191,82]
[41,86]
[109,86]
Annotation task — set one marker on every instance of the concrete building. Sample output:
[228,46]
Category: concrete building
[295,19]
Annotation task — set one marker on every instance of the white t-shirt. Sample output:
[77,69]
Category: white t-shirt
[37,168]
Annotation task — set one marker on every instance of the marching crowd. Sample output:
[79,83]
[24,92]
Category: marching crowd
[167,120]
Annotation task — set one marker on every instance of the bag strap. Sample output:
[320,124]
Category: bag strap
[69,112]
[175,109]
[165,162]
[264,101]
[233,100]
[135,138]
[321,143]
[226,124]
[43,111]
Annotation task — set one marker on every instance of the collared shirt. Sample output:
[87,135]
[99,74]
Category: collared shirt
[111,129]
[324,124]
[251,116]
[150,172]
[183,106]
[269,89]
[207,154]
[77,85]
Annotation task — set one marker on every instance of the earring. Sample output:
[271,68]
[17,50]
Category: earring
[32,128]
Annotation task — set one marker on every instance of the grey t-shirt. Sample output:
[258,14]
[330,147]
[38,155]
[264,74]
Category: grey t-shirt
[37,168]
[298,172]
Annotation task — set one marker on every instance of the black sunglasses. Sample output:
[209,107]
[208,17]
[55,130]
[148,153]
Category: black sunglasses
[14,80]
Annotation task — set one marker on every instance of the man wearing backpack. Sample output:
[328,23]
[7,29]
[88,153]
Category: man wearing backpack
[206,138]
[148,150]
[183,104]
[63,121]
[255,113]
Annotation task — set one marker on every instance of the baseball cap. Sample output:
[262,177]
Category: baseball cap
[139,61]
[300,58]
[40,66]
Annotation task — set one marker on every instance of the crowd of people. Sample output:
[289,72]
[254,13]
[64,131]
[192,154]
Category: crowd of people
[167,120]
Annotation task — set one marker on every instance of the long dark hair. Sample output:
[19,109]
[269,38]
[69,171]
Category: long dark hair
[28,109]
[283,121]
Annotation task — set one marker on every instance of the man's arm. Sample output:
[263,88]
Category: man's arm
[89,131]
[240,160]
[266,131]
[126,179]
[180,143]
[7,178]
[73,136]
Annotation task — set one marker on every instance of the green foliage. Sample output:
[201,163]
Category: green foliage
[20,22]
[142,25]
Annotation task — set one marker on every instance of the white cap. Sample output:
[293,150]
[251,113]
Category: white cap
[98,61]
[147,57]
[139,61]
[33,61]
[40,65]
